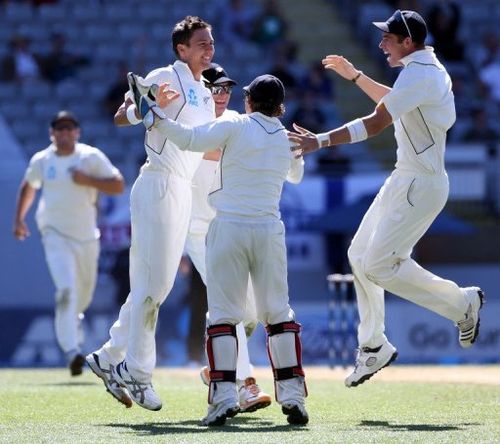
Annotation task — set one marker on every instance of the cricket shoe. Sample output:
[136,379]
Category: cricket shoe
[104,370]
[252,398]
[468,327]
[295,412]
[142,393]
[369,361]
[205,375]
[218,413]
[76,365]
[144,98]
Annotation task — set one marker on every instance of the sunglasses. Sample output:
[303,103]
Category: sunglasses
[63,127]
[220,89]
[404,21]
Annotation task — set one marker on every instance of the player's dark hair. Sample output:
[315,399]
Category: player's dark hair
[183,31]
[267,108]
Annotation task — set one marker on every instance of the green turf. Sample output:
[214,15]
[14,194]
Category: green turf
[47,406]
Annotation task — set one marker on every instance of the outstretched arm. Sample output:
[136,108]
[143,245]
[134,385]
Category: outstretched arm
[304,141]
[25,199]
[346,69]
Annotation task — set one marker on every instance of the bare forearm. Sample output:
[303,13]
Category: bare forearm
[371,88]
[121,118]
[25,200]
[114,185]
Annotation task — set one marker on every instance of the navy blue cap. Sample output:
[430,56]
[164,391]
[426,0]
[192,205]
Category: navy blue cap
[64,116]
[415,26]
[266,88]
[215,75]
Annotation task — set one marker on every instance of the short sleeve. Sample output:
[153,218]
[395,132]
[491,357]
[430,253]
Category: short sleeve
[100,166]
[34,172]
[409,92]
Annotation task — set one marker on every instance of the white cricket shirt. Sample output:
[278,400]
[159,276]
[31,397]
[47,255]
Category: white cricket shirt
[256,160]
[195,106]
[422,107]
[65,206]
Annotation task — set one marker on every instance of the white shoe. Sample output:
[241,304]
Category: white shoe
[469,326]
[218,413]
[141,392]
[103,370]
[252,397]
[296,412]
[369,361]
[205,375]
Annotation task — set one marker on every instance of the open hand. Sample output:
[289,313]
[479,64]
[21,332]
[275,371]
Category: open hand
[166,95]
[340,65]
[303,141]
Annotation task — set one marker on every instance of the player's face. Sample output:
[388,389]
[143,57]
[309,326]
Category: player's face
[198,54]
[65,134]
[394,49]
[221,95]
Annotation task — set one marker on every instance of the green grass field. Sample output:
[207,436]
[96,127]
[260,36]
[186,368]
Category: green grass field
[400,404]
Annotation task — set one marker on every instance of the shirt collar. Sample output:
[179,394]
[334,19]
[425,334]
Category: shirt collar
[422,55]
[184,69]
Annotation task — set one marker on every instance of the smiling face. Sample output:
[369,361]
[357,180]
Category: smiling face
[395,48]
[199,52]
[221,94]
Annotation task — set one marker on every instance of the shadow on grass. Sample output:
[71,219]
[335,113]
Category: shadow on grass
[67,384]
[415,427]
[258,425]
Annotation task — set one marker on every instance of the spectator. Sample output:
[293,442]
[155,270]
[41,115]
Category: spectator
[308,114]
[115,94]
[480,129]
[59,63]
[443,22]
[318,82]
[238,22]
[490,79]
[270,26]
[21,63]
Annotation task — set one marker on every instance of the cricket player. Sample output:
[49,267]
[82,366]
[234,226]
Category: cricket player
[421,107]
[251,397]
[160,205]
[70,175]
[246,237]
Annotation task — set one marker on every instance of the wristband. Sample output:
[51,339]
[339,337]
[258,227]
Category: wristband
[323,139]
[132,118]
[357,130]
[356,77]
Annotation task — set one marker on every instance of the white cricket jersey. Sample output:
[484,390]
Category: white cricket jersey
[202,212]
[195,106]
[256,160]
[422,107]
[65,206]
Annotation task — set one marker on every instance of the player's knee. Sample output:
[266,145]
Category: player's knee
[377,270]
[276,315]
[63,298]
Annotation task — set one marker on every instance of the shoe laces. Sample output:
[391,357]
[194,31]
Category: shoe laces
[135,387]
[467,323]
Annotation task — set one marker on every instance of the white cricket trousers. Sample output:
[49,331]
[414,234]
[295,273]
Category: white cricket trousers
[196,249]
[73,267]
[160,206]
[379,254]
[237,247]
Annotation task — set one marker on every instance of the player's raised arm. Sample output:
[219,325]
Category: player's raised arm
[346,69]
